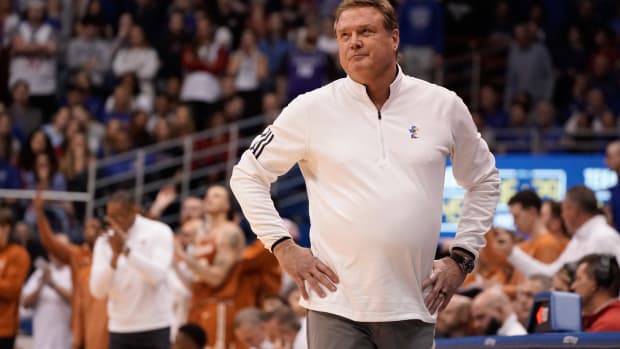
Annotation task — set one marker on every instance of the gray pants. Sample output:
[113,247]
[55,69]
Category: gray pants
[328,331]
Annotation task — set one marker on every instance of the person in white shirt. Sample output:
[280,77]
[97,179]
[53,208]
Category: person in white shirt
[588,227]
[48,293]
[34,50]
[130,267]
[372,148]
[139,58]
[493,314]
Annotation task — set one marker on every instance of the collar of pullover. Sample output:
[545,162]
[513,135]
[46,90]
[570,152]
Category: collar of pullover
[359,90]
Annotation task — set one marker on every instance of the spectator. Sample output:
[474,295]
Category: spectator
[491,109]
[493,314]
[180,277]
[182,121]
[250,329]
[135,256]
[525,295]
[455,320]
[564,278]
[94,129]
[274,44]
[9,175]
[119,105]
[540,244]
[551,215]
[597,281]
[421,38]
[529,67]
[45,175]
[306,67]
[23,114]
[549,133]
[14,265]
[170,49]
[285,326]
[55,130]
[248,67]
[48,292]
[162,109]
[137,128]
[74,167]
[204,62]
[589,234]
[603,79]
[88,315]
[216,264]
[89,52]
[190,336]
[191,208]
[34,51]
[138,58]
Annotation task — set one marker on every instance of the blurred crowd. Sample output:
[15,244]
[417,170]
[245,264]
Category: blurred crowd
[87,79]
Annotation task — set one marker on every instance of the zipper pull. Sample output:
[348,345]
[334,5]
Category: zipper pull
[379,114]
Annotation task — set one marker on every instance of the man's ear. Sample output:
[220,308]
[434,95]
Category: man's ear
[396,38]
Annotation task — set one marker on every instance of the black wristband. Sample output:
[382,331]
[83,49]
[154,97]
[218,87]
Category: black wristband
[469,254]
[280,240]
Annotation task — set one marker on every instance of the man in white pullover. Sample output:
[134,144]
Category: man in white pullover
[372,148]
[130,268]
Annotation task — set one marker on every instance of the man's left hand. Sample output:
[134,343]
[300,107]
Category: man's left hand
[446,277]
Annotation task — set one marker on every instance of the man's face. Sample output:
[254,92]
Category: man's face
[525,298]
[584,285]
[121,215]
[191,209]
[448,319]
[485,320]
[251,336]
[5,230]
[569,215]
[612,157]
[524,218]
[365,47]
[216,200]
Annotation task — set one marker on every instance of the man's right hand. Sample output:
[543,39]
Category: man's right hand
[303,266]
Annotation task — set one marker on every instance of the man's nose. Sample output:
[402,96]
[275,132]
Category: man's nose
[355,42]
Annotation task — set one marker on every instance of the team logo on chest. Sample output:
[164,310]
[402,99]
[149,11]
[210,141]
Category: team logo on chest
[414,131]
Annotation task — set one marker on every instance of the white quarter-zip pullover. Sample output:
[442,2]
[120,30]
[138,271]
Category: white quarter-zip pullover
[139,297]
[375,187]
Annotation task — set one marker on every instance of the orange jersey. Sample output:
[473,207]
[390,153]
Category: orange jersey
[213,308]
[89,316]
[14,266]
[256,276]
[545,248]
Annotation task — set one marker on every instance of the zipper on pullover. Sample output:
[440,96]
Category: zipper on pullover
[383,160]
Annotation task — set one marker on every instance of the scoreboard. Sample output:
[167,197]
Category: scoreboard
[549,175]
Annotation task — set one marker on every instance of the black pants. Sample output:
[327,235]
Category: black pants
[155,339]
[7,342]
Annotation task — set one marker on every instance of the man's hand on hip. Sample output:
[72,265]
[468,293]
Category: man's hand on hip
[302,266]
[446,277]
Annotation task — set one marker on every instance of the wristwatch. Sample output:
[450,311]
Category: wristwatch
[466,264]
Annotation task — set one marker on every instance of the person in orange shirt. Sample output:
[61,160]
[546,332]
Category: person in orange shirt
[525,209]
[89,315]
[217,270]
[14,266]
